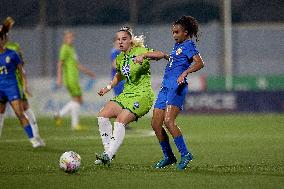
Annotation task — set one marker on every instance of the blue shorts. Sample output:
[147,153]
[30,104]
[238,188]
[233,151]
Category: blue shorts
[10,93]
[172,96]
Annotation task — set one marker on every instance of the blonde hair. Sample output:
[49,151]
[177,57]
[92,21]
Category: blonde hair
[68,32]
[137,41]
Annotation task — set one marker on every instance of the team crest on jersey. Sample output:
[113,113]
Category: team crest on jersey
[126,71]
[178,51]
[7,59]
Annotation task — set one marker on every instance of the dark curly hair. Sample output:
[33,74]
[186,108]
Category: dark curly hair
[189,24]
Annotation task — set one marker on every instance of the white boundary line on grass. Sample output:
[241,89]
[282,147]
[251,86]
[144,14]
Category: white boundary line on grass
[141,133]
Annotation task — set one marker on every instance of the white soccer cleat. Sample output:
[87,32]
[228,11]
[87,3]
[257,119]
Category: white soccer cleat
[37,142]
[41,141]
[98,162]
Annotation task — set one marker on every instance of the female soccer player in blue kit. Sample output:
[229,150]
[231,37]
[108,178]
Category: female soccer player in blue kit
[26,106]
[10,92]
[174,89]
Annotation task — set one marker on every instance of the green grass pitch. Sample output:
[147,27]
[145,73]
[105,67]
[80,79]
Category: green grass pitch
[230,151]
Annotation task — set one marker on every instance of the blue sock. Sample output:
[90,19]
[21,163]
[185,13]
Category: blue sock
[181,146]
[166,148]
[29,131]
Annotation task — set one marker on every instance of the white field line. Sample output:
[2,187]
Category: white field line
[141,133]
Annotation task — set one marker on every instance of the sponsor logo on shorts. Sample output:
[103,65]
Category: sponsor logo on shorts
[135,105]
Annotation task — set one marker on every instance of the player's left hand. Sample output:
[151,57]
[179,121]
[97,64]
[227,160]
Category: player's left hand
[27,92]
[181,79]
[139,59]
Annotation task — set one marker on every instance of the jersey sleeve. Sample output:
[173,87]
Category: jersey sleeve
[16,58]
[63,53]
[114,54]
[149,50]
[191,50]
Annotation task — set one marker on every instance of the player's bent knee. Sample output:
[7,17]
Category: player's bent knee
[103,114]
[22,117]
[119,120]
[169,122]
[156,127]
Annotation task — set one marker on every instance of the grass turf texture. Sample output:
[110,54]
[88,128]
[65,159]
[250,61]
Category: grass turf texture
[230,151]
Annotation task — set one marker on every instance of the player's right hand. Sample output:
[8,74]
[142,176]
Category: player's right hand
[103,91]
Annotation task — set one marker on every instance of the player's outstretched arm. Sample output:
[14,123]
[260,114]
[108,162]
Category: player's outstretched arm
[86,71]
[116,79]
[155,55]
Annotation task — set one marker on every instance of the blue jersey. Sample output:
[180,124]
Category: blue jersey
[119,87]
[180,60]
[9,60]
[113,55]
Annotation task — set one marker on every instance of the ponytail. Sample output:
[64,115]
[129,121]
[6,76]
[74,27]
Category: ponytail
[138,41]
[7,25]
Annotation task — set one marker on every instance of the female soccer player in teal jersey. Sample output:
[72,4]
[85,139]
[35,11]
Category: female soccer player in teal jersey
[68,72]
[174,89]
[10,92]
[136,99]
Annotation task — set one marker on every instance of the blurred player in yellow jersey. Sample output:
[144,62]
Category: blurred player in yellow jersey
[68,68]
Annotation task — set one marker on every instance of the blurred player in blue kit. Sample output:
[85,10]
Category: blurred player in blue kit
[114,53]
[174,89]
[14,86]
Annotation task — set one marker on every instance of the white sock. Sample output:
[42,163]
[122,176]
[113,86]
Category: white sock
[1,123]
[66,108]
[105,129]
[75,108]
[32,119]
[117,139]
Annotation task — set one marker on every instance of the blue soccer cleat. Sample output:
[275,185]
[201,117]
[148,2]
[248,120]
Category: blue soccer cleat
[165,162]
[184,161]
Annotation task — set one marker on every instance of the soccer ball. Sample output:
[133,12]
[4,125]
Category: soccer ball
[70,162]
